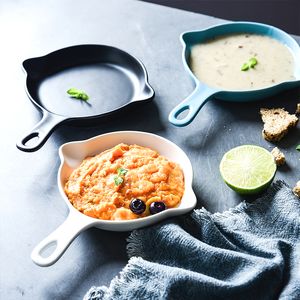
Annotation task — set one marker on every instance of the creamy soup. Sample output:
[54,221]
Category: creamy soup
[219,62]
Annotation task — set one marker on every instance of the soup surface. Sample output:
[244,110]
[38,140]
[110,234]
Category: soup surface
[219,62]
[104,185]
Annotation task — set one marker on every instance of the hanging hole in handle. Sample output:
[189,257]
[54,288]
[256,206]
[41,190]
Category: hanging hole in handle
[182,112]
[31,139]
[48,249]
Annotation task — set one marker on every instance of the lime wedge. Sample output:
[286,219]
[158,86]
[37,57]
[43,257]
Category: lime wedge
[248,169]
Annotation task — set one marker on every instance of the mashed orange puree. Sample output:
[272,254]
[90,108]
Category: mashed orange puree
[149,176]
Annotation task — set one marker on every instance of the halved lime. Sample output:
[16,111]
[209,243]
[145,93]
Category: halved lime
[248,169]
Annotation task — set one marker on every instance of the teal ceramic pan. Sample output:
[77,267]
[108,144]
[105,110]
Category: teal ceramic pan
[203,93]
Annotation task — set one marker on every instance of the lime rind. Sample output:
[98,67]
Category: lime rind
[248,169]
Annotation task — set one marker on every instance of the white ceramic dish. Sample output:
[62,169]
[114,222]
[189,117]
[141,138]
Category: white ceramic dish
[72,154]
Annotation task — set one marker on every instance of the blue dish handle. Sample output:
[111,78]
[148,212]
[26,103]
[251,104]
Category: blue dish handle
[193,103]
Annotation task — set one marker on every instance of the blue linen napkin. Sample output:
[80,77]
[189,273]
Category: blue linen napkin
[249,252]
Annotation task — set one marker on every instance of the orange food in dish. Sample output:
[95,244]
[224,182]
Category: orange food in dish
[98,189]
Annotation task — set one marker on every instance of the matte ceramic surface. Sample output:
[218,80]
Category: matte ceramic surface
[111,77]
[72,154]
[203,93]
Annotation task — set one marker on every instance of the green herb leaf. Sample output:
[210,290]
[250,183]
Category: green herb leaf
[73,91]
[245,67]
[78,94]
[118,180]
[298,147]
[122,171]
[252,62]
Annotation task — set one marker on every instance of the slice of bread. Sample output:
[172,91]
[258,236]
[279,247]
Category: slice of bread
[277,123]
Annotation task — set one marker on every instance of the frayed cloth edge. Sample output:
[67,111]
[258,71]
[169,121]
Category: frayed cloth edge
[245,206]
[134,240]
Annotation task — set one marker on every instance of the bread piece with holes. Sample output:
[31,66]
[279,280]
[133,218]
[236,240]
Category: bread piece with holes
[277,122]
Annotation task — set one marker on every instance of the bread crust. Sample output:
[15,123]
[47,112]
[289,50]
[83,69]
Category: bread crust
[277,123]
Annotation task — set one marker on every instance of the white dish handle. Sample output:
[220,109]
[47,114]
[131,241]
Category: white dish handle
[60,239]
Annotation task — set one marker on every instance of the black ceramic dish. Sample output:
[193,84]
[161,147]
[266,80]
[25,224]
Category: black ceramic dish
[112,78]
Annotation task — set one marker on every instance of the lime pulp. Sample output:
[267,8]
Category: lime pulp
[248,169]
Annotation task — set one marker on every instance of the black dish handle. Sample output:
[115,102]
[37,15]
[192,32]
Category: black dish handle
[40,132]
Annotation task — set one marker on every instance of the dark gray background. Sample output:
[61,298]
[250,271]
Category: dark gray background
[281,13]
[31,206]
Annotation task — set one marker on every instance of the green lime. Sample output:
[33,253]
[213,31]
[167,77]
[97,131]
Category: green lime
[248,169]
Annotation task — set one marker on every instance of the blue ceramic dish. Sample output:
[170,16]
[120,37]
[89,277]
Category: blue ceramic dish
[203,93]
